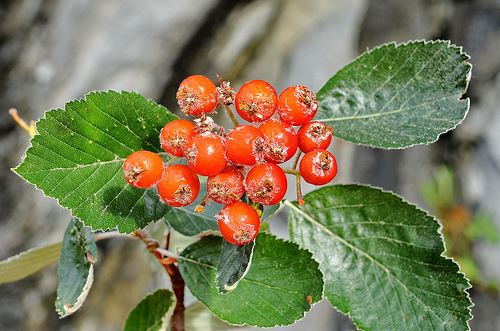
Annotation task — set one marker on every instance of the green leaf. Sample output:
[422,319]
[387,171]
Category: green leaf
[27,263]
[483,227]
[382,260]
[398,95]
[199,318]
[234,263]
[190,223]
[153,313]
[78,153]
[76,268]
[280,287]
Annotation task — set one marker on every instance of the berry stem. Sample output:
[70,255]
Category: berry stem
[31,128]
[296,173]
[172,159]
[231,116]
[298,185]
[296,161]
[292,172]
[300,199]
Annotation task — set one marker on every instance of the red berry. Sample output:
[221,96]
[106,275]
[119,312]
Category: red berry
[179,186]
[197,95]
[142,169]
[238,223]
[244,145]
[314,135]
[206,155]
[176,136]
[226,187]
[266,183]
[256,101]
[297,105]
[318,167]
[280,140]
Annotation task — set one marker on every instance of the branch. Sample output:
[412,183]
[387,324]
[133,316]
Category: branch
[30,128]
[168,259]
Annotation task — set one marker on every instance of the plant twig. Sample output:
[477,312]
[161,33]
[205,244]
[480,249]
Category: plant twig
[178,288]
[231,116]
[30,128]
[173,272]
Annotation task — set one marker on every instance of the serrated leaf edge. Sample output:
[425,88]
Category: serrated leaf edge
[414,42]
[294,204]
[14,170]
[267,327]
[168,314]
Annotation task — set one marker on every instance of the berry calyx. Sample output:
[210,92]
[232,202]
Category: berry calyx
[225,91]
[238,223]
[245,145]
[256,101]
[226,187]
[176,136]
[179,186]
[266,183]
[318,167]
[142,169]
[297,105]
[314,135]
[197,96]
[280,140]
[206,154]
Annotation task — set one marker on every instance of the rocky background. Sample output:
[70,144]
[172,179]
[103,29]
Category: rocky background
[53,51]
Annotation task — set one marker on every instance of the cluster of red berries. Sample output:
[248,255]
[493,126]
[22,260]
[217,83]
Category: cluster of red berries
[243,161]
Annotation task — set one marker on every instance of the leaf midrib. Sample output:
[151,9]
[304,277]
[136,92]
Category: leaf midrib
[86,165]
[386,113]
[243,279]
[368,256]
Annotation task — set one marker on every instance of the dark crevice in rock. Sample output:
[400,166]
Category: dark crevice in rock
[214,20]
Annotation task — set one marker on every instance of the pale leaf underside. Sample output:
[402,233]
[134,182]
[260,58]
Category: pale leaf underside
[398,95]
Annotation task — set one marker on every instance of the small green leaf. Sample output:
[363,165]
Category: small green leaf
[76,268]
[29,262]
[78,153]
[483,227]
[234,263]
[382,260]
[190,223]
[280,287]
[398,95]
[153,313]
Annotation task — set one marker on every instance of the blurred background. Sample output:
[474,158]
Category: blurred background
[53,51]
